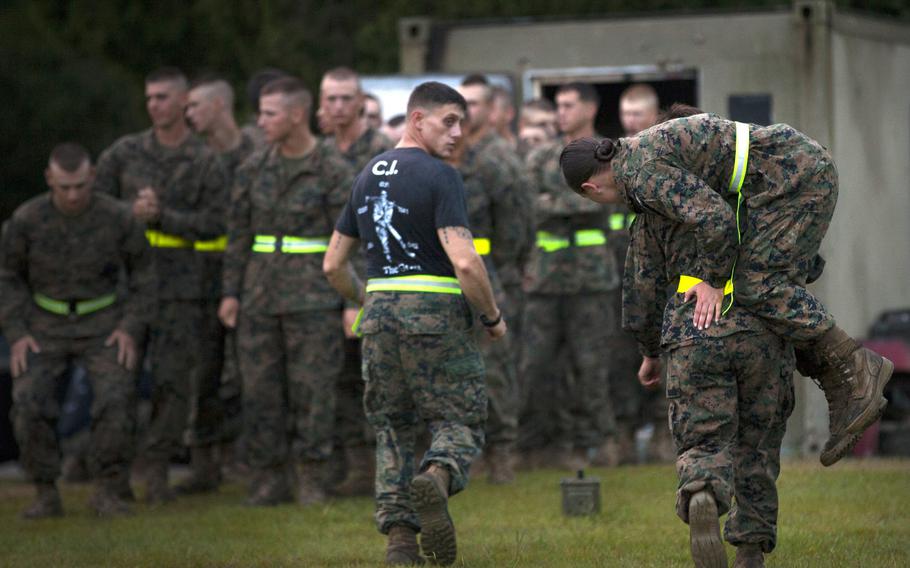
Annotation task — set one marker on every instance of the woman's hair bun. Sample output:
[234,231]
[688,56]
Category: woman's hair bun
[605,150]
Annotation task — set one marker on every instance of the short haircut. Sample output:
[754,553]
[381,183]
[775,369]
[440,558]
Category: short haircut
[169,75]
[479,80]
[258,80]
[433,94]
[640,92]
[292,88]
[502,94]
[213,85]
[678,110]
[342,74]
[545,105]
[69,156]
[586,92]
[372,97]
[396,121]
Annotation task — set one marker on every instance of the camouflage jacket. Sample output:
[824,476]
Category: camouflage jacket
[270,201]
[561,213]
[192,188]
[101,251]
[660,252]
[499,204]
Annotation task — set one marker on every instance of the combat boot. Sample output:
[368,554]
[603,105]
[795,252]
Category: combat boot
[704,532]
[402,549]
[311,483]
[853,379]
[361,473]
[270,487]
[205,476]
[430,492]
[749,556]
[157,490]
[500,464]
[106,501]
[46,504]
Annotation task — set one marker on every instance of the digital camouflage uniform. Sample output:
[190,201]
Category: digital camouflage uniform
[193,193]
[681,170]
[499,211]
[191,188]
[288,337]
[570,308]
[99,252]
[729,386]
[420,365]
[352,430]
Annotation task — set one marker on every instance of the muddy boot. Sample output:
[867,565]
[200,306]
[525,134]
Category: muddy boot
[157,490]
[270,487]
[361,473]
[500,464]
[205,476]
[402,549]
[704,532]
[430,492]
[311,483]
[853,379]
[749,556]
[46,504]
[106,501]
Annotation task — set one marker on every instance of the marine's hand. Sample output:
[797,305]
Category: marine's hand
[126,348]
[18,354]
[228,310]
[649,373]
[708,304]
[497,331]
[348,317]
[147,208]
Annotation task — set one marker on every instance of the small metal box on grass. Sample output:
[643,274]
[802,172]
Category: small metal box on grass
[580,495]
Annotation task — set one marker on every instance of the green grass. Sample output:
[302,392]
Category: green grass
[855,514]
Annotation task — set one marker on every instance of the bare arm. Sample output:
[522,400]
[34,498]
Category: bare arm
[471,273]
[338,270]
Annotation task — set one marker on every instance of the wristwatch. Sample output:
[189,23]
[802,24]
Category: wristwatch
[487,322]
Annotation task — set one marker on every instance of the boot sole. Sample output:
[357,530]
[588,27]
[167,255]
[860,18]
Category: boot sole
[848,442]
[873,411]
[704,533]
[437,532]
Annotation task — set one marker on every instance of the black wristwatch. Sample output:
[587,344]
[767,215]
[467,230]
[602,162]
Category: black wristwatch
[487,322]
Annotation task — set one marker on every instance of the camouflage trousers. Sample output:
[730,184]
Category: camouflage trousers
[783,230]
[36,407]
[420,365]
[567,407]
[175,350]
[206,409]
[289,364]
[730,399]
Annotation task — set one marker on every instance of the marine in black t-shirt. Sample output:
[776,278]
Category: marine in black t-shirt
[393,197]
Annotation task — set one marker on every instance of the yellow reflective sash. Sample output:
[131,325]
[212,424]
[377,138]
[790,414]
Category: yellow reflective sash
[482,246]
[415,283]
[687,282]
[740,164]
[583,238]
[163,240]
[79,308]
[355,327]
[290,245]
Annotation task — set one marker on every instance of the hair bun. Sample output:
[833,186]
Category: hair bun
[605,150]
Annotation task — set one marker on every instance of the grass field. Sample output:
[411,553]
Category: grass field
[855,514]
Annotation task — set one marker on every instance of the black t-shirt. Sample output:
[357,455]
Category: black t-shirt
[399,201]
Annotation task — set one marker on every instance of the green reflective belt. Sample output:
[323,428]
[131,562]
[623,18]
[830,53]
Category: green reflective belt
[620,221]
[415,283]
[74,307]
[290,245]
[583,238]
[740,164]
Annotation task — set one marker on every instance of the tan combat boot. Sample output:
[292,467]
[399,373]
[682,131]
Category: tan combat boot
[402,549]
[749,556]
[704,532]
[311,483]
[361,473]
[500,464]
[46,504]
[853,379]
[430,491]
[106,501]
[270,487]
[205,475]
[157,490]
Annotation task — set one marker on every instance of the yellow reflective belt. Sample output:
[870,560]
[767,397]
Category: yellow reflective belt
[550,242]
[687,282]
[590,238]
[740,164]
[415,283]
[482,246]
[620,221]
[214,245]
[80,308]
[290,245]
[163,240]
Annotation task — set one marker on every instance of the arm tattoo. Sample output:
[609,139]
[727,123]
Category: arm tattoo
[445,235]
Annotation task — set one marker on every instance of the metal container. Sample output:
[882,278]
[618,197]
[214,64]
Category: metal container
[580,495]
